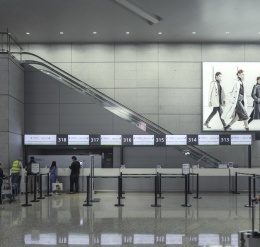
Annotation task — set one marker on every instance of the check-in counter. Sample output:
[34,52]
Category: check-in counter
[210,180]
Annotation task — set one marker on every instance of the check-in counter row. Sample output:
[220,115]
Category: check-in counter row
[215,180]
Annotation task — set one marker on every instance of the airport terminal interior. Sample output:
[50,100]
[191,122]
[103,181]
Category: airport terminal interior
[151,105]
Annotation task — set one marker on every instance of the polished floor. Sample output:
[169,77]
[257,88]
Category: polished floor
[62,220]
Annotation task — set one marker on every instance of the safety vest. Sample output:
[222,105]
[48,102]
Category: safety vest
[15,167]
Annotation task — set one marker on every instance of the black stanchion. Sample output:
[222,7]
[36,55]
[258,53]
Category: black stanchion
[119,194]
[156,191]
[48,185]
[235,192]
[26,194]
[121,186]
[189,192]
[87,199]
[197,196]
[41,197]
[123,192]
[249,193]
[186,193]
[254,182]
[35,189]
[1,202]
[160,186]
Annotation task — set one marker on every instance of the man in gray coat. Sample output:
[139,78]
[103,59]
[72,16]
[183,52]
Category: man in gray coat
[216,99]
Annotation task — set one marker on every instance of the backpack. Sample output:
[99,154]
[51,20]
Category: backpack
[29,168]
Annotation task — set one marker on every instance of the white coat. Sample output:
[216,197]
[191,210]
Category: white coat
[213,96]
[232,97]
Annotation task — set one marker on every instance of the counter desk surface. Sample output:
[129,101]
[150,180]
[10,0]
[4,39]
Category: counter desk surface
[115,171]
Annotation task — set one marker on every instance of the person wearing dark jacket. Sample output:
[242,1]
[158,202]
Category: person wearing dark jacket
[74,176]
[2,176]
[256,97]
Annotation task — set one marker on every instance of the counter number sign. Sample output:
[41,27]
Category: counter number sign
[127,140]
[62,140]
[224,140]
[192,139]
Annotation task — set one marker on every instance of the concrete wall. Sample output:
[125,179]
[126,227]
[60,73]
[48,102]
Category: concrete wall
[11,111]
[161,81]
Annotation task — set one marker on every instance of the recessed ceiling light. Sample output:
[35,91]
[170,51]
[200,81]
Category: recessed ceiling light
[194,32]
[61,32]
[94,32]
[227,32]
[27,33]
[127,32]
[160,33]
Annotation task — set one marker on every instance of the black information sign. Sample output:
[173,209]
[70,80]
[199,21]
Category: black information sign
[224,140]
[62,139]
[159,140]
[192,139]
[94,140]
[127,140]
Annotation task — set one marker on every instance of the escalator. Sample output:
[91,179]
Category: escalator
[29,60]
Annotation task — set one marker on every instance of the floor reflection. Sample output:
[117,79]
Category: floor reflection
[213,221]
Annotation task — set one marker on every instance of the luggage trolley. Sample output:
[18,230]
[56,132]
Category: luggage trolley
[7,192]
[250,238]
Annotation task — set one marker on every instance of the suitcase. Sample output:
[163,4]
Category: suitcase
[250,238]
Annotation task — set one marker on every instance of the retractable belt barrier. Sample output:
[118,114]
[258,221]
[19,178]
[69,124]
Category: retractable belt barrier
[157,186]
[35,188]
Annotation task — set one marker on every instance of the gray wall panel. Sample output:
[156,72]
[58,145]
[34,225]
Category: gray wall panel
[16,116]
[4,111]
[16,81]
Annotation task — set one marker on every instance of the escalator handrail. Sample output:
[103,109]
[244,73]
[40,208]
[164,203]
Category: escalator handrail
[112,101]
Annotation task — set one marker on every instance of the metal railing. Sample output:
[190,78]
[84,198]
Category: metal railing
[8,42]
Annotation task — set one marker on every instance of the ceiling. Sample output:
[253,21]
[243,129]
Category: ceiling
[78,19]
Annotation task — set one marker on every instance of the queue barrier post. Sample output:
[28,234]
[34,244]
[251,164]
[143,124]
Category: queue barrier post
[1,202]
[197,196]
[249,193]
[41,197]
[35,189]
[48,185]
[189,192]
[254,185]
[156,178]
[160,186]
[87,199]
[186,192]
[119,204]
[121,186]
[235,192]
[26,194]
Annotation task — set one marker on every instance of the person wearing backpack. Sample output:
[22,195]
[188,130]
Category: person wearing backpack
[53,176]
[28,168]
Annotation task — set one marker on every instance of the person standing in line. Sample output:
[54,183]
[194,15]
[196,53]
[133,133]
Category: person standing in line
[256,96]
[236,109]
[53,176]
[15,176]
[2,177]
[28,168]
[74,176]
[216,99]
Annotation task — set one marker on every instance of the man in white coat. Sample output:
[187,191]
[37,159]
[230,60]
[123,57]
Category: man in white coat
[216,99]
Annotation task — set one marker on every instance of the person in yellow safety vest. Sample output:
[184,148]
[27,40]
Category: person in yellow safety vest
[15,171]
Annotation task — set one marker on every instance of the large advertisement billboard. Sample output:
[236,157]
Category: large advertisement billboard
[231,96]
